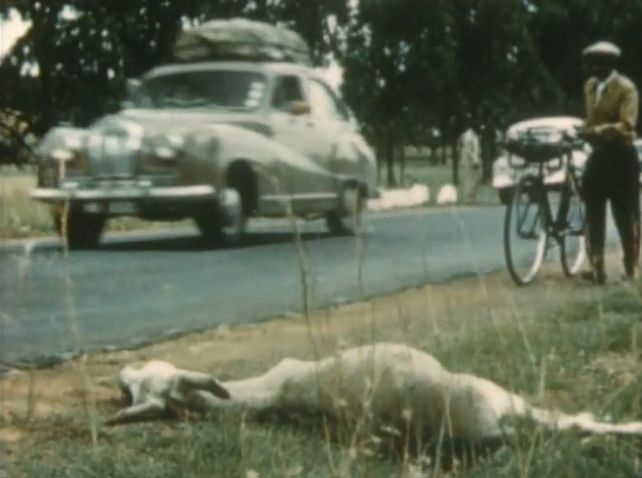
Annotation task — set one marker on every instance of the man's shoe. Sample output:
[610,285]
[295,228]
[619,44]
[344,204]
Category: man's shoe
[595,276]
[631,276]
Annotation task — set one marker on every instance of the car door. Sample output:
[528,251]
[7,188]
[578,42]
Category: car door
[339,142]
[302,176]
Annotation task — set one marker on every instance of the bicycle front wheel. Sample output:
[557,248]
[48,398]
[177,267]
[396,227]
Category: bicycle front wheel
[525,234]
[572,240]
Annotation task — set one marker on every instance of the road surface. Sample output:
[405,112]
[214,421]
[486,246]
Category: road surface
[134,290]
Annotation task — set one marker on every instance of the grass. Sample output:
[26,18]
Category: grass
[559,344]
[22,217]
[419,171]
[19,215]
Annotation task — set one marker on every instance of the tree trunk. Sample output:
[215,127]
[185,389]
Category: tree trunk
[489,153]
[390,164]
[455,161]
[402,164]
[442,155]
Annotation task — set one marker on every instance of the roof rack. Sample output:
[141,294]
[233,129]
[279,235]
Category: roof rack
[241,39]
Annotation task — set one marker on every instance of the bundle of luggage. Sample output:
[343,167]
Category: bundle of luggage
[538,145]
[241,40]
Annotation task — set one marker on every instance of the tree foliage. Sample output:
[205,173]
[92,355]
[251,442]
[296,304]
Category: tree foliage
[86,49]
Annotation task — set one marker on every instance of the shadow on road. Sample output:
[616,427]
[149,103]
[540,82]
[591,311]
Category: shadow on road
[174,241]
[197,244]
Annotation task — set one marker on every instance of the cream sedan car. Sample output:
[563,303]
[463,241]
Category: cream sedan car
[508,169]
[218,142]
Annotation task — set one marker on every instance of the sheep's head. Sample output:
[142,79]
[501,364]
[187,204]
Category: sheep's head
[158,387]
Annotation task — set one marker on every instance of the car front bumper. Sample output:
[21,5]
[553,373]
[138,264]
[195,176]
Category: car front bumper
[127,198]
[123,193]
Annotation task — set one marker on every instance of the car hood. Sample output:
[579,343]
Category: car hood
[179,121]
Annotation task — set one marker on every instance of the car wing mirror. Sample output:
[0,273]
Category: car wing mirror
[132,90]
[132,85]
[299,108]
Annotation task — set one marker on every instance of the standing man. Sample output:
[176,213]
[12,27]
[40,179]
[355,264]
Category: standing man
[612,171]
[469,161]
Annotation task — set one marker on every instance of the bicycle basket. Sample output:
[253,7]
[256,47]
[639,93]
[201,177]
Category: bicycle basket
[537,145]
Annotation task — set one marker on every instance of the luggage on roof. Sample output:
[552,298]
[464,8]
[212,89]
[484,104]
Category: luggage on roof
[241,39]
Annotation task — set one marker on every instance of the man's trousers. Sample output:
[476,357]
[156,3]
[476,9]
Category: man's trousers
[613,174]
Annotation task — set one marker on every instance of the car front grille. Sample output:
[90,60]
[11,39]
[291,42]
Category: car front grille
[112,156]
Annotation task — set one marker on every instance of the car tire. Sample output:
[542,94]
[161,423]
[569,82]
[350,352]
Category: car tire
[83,231]
[223,222]
[505,195]
[346,220]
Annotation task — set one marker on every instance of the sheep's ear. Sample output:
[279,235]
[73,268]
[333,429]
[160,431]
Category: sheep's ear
[203,381]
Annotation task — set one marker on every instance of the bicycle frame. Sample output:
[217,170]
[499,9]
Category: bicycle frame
[555,226]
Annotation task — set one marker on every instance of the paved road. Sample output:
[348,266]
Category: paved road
[137,289]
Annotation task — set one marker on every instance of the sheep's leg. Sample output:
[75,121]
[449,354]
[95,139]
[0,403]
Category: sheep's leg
[584,422]
[139,412]
[202,381]
[265,391]
[253,393]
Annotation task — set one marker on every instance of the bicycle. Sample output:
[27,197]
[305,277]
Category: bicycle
[541,215]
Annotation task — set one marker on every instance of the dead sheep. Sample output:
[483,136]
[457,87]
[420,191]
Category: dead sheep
[394,384]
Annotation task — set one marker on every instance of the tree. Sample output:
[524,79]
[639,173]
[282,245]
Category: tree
[563,28]
[399,70]
[84,50]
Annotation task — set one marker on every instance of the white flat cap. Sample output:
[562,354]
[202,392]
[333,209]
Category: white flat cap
[602,48]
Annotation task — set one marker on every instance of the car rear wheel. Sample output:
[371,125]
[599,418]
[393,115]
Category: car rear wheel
[82,231]
[347,218]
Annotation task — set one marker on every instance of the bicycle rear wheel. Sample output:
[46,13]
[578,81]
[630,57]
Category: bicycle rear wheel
[572,241]
[525,234]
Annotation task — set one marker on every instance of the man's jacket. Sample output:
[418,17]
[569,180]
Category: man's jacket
[614,115]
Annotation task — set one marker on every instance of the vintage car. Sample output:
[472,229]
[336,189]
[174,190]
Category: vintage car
[216,141]
[509,168]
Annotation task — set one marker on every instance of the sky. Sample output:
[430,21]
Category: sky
[11,29]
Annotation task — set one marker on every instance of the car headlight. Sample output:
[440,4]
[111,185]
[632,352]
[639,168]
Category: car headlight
[61,155]
[61,152]
[162,148]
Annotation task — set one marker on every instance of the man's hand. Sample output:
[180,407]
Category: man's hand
[604,131]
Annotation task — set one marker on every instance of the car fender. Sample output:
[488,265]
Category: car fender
[218,145]
[355,160]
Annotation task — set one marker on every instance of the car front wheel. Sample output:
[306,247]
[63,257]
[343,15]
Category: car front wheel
[223,222]
[82,231]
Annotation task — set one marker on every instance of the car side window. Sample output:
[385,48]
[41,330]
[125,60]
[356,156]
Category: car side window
[324,104]
[287,89]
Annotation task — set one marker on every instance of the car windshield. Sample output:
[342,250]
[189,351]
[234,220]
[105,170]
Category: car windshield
[207,88]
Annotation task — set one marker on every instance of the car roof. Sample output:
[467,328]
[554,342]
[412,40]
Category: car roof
[272,68]
[558,122]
